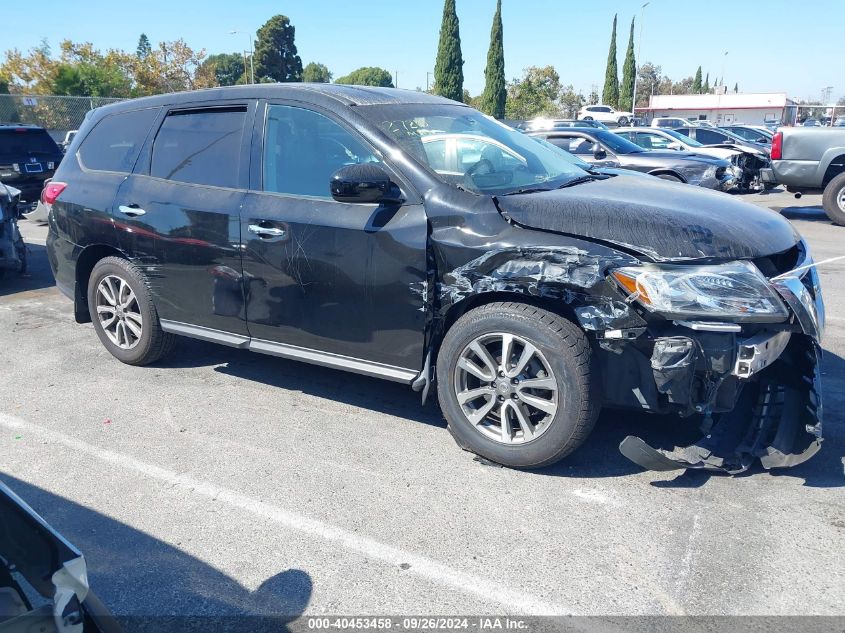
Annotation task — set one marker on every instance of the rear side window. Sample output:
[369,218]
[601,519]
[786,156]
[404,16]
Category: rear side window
[114,143]
[202,147]
[21,142]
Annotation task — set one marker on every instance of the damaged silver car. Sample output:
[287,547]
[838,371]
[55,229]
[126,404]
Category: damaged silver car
[408,237]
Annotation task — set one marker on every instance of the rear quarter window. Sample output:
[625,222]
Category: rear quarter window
[115,142]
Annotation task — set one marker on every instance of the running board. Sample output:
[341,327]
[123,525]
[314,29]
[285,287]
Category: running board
[283,350]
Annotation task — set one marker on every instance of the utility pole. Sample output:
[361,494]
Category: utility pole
[396,79]
[637,61]
[251,55]
[427,76]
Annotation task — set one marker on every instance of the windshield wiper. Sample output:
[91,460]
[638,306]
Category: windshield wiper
[527,190]
[580,179]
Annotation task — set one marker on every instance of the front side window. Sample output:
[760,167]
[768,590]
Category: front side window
[115,142]
[652,141]
[303,148]
[471,151]
[202,147]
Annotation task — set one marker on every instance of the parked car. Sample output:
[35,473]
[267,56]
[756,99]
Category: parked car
[720,137]
[669,121]
[755,134]
[605,148]
[28,156]
[811,123]
[811,161]
[36,562]
[839,121]
[551,124]
[311,222]
[745,164]
[12,247]
[605,114]
[68,138]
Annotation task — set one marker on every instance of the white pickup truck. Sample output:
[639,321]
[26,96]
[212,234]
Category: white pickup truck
[809,160]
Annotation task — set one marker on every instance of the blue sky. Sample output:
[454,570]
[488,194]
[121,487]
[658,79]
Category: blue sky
[773,45]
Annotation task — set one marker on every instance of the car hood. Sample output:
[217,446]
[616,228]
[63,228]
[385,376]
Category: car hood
[672,155]
[655,219]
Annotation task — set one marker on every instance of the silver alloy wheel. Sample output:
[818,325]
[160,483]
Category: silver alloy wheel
[119,312]
[506,388]
[840,200]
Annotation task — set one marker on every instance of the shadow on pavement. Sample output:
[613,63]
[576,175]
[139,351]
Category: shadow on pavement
[808,214]
[150,585]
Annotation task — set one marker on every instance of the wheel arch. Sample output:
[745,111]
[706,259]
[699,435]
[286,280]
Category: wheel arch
[457,310]
[85,262]
[835,167]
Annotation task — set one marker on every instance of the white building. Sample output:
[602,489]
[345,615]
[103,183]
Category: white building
[724,109]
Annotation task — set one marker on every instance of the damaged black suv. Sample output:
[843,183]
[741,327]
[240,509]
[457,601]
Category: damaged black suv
[405,236]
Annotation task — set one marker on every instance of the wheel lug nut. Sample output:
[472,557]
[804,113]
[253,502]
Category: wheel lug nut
[515,381]
[501,372]
[501,398]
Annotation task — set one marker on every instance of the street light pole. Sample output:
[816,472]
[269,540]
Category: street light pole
[251,55]
[636,63]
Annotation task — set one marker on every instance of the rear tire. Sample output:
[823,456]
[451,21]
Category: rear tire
[622,122]
[124,315]
[587,118]
[833,200]
[549,402]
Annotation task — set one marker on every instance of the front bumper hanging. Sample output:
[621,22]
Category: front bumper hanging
[777,417]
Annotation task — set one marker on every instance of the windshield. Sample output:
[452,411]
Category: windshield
[17,143]
[684,139]
[471,151]
[616,143]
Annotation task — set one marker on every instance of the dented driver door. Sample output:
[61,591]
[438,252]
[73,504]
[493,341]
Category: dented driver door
[326,281]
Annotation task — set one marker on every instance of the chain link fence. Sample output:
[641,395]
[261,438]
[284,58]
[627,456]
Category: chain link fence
[57,114]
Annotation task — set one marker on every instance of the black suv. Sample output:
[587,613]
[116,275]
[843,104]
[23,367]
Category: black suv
[28,157]
[408,237]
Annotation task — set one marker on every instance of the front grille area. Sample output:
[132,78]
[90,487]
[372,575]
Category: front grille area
[779,263]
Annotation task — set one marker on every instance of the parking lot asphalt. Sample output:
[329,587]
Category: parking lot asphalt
[225,482]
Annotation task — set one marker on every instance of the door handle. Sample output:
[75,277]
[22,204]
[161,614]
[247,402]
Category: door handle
[266,231]
[133,210]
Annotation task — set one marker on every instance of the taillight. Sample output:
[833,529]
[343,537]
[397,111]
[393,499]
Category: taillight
[51,191]
[777,146]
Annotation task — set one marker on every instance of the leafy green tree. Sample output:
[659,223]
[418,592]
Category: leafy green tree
[144,48]
[626,91]
[610,94]
[495,89]
[570,102]
[648,83]
[316,73]
[706,87]
[276,58]
[228,69]
[368,76]
[696,83]
[593,99]
[449,67]
[535,94]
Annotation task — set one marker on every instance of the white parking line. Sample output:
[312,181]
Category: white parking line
[513,600]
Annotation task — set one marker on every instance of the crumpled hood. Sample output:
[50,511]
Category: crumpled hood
[661,220]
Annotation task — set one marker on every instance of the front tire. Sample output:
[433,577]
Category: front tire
[514,382]
[123,313]
[623,121]
[833,200]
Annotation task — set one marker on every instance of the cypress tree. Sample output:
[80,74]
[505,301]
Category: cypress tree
[706,87]
[449,68]
[495,91]
[610,94]
[696,83]
[736,88]
[626,92]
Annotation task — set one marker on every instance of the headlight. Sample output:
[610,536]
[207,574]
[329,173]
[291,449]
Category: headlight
[710,172]
[736,291]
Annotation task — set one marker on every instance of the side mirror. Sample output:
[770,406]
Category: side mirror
[599,153]
[675,145]
[363,183]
